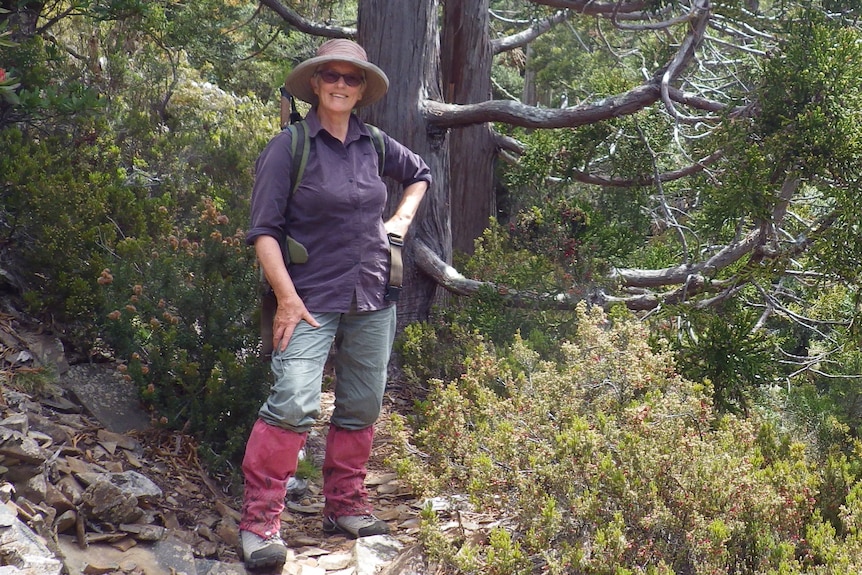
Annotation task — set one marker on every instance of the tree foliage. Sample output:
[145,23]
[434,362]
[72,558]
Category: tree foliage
[125,180]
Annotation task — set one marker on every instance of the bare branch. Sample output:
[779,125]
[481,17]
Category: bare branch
[699,19]
[688,285]
[668,213]
[451,280]
[680,274]
[694,168]
[721,297]
[71,11]
[636,9]
[445,275]
[304,25]
[749,34]
[524,37]
[453,115]
[508,143]
[503,90]
[699,102]
[653,25]
[788,188]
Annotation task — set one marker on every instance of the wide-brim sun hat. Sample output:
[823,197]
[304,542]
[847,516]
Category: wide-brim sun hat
[298,82]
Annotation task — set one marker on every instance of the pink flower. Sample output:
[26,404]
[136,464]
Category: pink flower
[2,74]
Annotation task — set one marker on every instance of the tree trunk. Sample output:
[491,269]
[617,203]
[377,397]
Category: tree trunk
[529,96]
[401,38]
[466,62]
[21,17]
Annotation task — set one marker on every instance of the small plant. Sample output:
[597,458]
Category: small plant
[725,349]
[34,381]
[8,83]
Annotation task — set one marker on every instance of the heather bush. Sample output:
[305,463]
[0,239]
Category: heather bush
[611,462]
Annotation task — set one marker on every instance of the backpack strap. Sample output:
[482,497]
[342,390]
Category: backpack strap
[298,136]
[379,145]
[396,242]
[289,113]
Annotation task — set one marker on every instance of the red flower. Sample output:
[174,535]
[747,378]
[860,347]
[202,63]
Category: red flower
[2,74]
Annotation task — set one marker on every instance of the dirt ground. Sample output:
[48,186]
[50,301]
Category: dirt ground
[196,501]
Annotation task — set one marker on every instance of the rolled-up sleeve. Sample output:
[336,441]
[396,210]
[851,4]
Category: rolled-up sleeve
[272,185]
[403,165]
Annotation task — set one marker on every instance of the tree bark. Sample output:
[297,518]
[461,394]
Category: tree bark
[22,18]
[402,39]
[466,67]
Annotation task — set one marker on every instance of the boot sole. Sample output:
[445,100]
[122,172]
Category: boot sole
[277,560]
[331,528]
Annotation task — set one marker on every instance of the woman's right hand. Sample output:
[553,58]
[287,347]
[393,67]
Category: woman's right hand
[291,309]
[290,312]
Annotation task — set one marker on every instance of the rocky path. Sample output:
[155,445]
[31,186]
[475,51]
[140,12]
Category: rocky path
[88,487]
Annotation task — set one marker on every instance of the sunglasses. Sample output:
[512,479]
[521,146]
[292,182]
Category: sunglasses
[331,77]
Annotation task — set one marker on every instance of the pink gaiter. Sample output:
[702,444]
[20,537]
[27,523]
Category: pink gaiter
[347,453]
[270,459]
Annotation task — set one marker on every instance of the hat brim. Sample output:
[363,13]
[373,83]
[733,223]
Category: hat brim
[298,82]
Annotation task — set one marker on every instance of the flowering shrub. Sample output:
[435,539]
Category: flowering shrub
[8,84]
[610,462]
[556,228]
[182,317]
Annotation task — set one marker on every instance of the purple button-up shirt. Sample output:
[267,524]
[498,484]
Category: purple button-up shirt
[336,213]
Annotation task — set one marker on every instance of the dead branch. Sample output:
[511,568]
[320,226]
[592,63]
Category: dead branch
[524,37]
[307,26]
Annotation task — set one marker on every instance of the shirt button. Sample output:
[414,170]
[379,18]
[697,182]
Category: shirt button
[350,180]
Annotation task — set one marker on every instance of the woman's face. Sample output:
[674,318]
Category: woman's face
[338,96]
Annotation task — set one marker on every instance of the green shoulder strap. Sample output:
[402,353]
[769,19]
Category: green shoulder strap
[379,145]
[298,133]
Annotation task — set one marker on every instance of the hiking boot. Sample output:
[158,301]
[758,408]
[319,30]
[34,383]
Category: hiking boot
[355,525]
[258,552]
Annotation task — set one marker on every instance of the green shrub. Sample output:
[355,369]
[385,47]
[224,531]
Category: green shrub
[60,222]
[103,230]
[723,347]
[492,311]
[183,318]
[434,350]
[610,462]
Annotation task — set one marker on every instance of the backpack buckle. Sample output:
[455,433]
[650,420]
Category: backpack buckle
[392,293]
[396,240]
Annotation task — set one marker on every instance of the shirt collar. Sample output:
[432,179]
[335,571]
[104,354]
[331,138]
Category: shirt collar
[355,129]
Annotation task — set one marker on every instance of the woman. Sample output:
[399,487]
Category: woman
[338,295]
